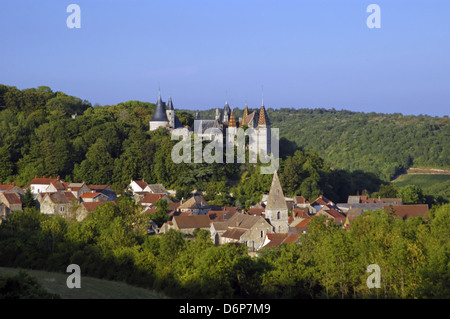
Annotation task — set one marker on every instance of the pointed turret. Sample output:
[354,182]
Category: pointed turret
[160,111]
[226,112]
[159,117]
[170,104]
[245,112]
[263,118]
[232,122]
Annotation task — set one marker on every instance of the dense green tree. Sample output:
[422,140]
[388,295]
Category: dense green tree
[411,194]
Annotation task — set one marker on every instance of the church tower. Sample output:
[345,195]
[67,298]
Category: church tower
[276,208]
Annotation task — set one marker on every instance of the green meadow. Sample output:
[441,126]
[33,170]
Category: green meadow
[91,288]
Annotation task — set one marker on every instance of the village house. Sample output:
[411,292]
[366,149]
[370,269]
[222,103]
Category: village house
[363,203]
[40,184]
[149,200]
[196,205]
[77,189]
[241,228]
[408,211]
[301,202]
[141,186]
[138,186]
[187,224]
[9,203]
[11,188]
[105,190]
[89,197]
[57,203]
[332,213]
[275,240]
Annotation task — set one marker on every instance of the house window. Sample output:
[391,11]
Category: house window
[278,215]
[262,234]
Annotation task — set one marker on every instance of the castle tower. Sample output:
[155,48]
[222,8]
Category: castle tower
[226,112]
[264,137]
[170,112]
[217,118]
[159,118]
[276,208]
[231,130]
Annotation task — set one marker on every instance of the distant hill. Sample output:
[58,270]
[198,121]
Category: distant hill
[384,144]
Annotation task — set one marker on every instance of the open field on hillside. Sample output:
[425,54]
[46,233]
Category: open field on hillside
[421,180]
[91,288]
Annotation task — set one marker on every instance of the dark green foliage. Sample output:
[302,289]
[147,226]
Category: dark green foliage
[330,262]
[23,286]
[28,199]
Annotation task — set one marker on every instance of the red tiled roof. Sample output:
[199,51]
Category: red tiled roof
[12,198]
[150,198]
[256,211]
[98,187]
[303,223]
[142,184]
[408,211]
[43,180]
[291,238]
[278,239]
[275,239]
[6,187]
[194,221]
[300,200]
[174,206]
[90,195]
[234,233]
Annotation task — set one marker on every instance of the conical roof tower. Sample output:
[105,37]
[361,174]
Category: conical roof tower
[159,114]
[276,200]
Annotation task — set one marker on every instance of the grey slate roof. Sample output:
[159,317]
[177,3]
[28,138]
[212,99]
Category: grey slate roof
[160,111]
[206,124]
[170,104]
[177,122]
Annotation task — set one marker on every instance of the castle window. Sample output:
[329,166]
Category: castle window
[278,215]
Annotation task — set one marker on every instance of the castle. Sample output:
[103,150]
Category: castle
[225,123]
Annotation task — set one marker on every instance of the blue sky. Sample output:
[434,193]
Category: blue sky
[306,54]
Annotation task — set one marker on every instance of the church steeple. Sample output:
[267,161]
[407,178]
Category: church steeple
[276,200]
[276,208]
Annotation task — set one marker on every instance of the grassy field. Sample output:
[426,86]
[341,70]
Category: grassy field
[421,180]
[431,184]
[91,288]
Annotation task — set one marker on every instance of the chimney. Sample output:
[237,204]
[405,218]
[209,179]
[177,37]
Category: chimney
[57,178]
